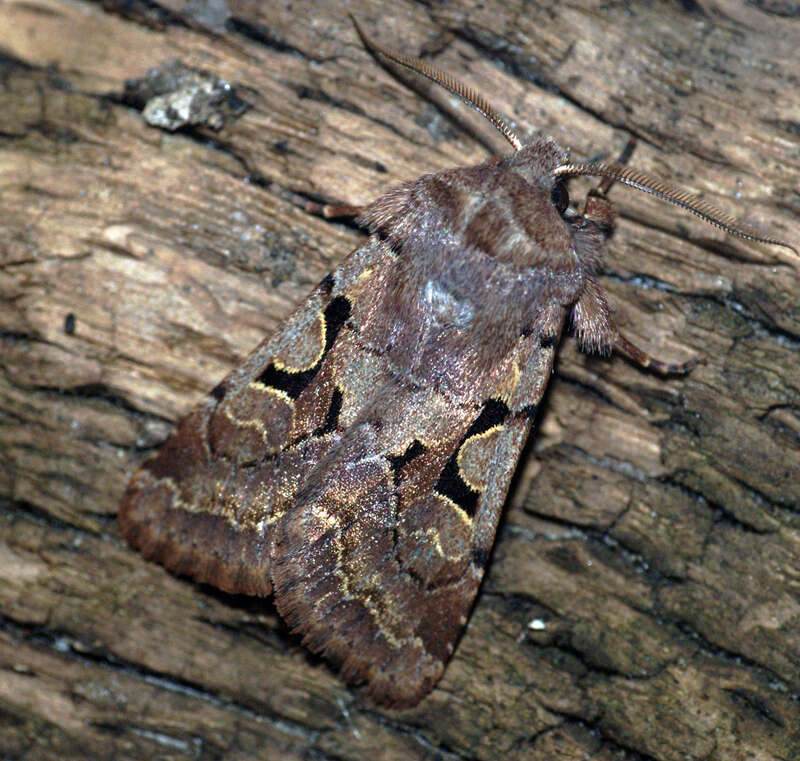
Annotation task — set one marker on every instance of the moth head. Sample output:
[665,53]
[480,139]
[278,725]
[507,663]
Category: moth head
[612,171]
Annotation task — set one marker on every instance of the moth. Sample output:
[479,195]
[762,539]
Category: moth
[355,465]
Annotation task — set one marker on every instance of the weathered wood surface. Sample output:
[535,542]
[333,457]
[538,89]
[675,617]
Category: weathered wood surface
[644,595]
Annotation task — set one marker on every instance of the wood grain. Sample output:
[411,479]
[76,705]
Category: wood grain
[644,596]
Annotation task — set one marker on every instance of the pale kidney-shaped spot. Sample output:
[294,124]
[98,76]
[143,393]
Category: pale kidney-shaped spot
[476,457]
[305,351]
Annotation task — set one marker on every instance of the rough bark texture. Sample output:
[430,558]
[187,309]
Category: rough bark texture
[644,596]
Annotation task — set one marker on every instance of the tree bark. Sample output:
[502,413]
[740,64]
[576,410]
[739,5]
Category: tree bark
[643,600]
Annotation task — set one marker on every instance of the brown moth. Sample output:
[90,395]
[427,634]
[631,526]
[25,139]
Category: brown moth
[356,463]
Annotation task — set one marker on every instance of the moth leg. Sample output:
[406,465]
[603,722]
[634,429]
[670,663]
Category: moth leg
[591,318]
[602,187]
[597,332]
[592,321]
[332,211]
[598,208]
[324,210]
[645,360]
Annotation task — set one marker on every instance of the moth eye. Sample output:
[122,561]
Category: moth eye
[559,197]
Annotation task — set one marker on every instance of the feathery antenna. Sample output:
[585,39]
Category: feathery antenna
[468,95]
[666,192]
